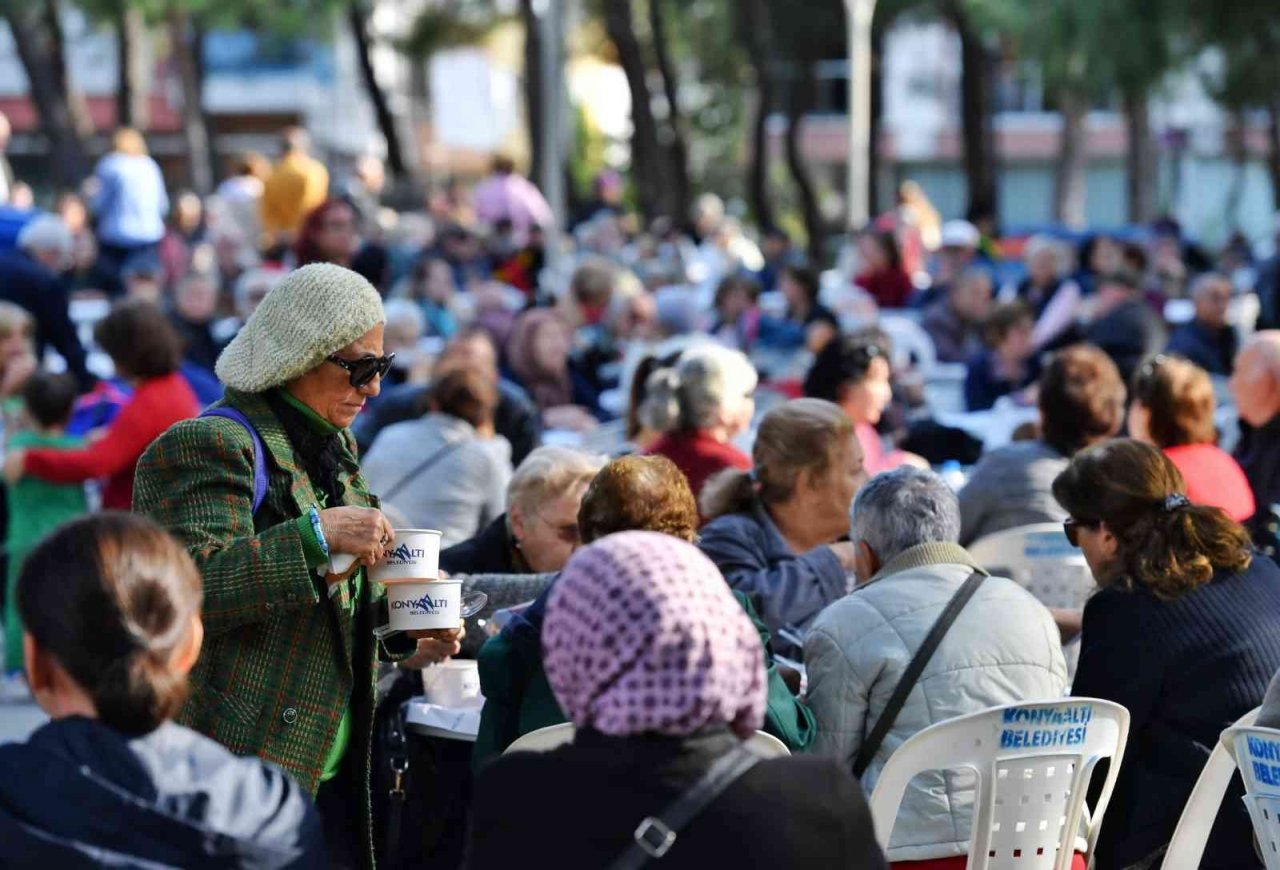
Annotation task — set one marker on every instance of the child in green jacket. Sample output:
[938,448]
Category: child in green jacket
[36,507]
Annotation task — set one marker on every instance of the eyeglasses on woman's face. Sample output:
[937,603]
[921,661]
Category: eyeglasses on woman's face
[1071,528]
[364,369]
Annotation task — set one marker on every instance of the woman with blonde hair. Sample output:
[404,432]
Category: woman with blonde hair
[130,204]
[775,531]
[1182,632]
[17,353]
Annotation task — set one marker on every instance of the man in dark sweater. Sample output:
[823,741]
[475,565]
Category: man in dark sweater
[30,277]
[1124,326]
[1208,340]
[1256,387]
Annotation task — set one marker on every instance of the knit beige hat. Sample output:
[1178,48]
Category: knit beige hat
[311,313]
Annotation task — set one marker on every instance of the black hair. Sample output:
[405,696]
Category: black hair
[50,398]
[843,362]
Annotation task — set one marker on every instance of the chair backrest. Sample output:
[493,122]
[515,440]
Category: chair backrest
[1190,837]
[1257,752]
[1032,761]
[910,342]
[555,736]
[1039,558]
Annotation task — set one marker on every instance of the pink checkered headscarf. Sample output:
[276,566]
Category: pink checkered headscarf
[642,635]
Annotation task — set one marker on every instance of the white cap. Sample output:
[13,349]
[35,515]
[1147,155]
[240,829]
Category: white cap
[960,234]
[46,232]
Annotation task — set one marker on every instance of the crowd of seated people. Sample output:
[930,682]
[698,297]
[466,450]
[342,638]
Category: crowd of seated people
[698,456]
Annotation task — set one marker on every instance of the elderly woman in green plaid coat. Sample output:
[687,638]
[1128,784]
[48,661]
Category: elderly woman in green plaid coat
[288,667]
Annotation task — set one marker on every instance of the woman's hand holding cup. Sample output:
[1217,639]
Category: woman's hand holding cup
[361,532]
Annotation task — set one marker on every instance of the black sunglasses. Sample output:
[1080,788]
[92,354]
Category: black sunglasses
[365,369]
[1071,528]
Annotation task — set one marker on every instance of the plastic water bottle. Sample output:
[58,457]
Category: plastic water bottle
[951,472]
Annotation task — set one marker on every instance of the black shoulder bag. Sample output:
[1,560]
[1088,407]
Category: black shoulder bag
[914,669]
[656,834]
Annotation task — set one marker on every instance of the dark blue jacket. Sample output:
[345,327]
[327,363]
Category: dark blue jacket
[982,386]
[80,794]
[788,590]
[1186,670]
[1213,352]
[31,286]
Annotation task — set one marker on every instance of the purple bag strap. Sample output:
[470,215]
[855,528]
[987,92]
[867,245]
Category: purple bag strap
[259,451]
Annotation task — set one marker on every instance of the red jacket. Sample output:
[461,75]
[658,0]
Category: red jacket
[699,456]
[1214,479]
[156,405]
[891,288]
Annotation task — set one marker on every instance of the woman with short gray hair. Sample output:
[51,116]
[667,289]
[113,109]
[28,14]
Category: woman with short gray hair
[701,404]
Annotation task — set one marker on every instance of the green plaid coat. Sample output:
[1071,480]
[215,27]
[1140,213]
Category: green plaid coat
[276,672]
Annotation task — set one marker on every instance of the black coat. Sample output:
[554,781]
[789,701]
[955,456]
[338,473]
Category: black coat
[1186,670]
[489,552]
[80,794]
[31,286]
[577,807]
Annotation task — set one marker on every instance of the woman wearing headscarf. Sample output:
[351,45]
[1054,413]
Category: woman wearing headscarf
[269,500]
[660,671]
[537,356]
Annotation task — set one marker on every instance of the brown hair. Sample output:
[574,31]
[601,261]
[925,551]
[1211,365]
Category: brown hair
[1081,399]
[112,597]
[638,493]
[464,392]
[1178,394]
[1004,318]
[802,435]
[1168,547]
[127,140]
[140,340]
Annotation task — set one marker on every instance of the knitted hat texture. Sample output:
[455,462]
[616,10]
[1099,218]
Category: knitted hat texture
[310,314]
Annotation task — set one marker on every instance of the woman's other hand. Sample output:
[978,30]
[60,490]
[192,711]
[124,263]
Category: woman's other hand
[434,646]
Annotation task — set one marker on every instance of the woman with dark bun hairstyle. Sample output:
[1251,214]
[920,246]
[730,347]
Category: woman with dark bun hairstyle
[111,608]
[1182,632]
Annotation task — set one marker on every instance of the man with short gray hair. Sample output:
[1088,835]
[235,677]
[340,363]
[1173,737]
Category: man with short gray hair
[31,277]
[1002,648]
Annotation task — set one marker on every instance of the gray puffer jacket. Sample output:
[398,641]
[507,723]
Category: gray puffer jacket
[1002,649]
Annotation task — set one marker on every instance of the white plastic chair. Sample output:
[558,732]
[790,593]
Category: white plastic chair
[1257,753]
[555,736]
[1039,558]
[1029,803]
[1186,847]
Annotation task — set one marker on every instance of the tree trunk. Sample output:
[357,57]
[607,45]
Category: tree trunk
[803,100]
[1069,183]
[1140,159]
[68,157]
[358,20]
[194,129]
[756,34]
[58,48]
[1236,146]
[874,206]
[977,109]
[133,84]
[677,150]
[645,148]
[533,108]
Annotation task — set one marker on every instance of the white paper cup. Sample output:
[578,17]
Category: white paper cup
[415,606]
[452,683]
[414,555]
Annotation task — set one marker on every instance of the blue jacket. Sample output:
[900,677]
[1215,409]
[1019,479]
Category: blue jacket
[131,203]
[1216,354]
[43,294]
[80,794]
[788,589]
